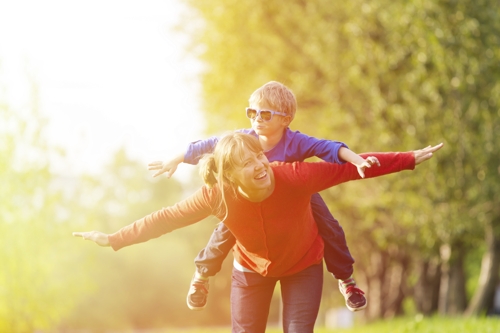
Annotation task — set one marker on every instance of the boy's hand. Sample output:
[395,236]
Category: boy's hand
[169,166]
[424,154]
[163,167]
[367,163]
[97,237]
[359,162]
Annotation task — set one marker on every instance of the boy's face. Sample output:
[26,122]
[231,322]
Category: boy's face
[268,128]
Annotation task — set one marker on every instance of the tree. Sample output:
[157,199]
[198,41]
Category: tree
[382,75]
[36,289]
[142,286]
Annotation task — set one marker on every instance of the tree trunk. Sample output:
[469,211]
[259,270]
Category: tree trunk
[444,285]
[375,275]
[386,279]
[452,297]
[396,286]
[427,287]
[483,297]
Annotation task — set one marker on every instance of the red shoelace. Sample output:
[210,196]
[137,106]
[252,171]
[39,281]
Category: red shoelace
[200,286]
[352,289]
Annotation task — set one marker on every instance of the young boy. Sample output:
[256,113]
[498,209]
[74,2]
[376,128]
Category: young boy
[272,108]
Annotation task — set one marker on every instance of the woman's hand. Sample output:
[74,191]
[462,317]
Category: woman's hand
[426,153]
[97,237]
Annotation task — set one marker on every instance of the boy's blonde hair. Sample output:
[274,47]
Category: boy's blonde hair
[215,168]
[277,95]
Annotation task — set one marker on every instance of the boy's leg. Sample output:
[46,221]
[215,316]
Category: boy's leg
[208,263]
[338,259]
[301,295]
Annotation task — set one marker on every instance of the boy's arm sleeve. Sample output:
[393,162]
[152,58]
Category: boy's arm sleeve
[197,149]
[327,150]
[189,211]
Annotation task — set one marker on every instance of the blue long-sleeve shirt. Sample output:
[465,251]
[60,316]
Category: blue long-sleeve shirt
[293,147]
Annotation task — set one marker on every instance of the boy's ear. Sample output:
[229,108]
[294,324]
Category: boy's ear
[287,120]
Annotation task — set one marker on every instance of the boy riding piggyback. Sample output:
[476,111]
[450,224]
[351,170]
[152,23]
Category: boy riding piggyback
[272,108]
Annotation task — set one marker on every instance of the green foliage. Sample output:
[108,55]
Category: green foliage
[380,76]
[383,75]
[143,286]
[52,281]
[36,290]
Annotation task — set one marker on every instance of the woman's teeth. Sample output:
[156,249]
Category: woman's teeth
[261,175]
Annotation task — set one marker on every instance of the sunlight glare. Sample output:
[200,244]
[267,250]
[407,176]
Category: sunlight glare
[110,74]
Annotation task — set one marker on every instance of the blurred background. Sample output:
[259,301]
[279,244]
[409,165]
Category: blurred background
[91,91]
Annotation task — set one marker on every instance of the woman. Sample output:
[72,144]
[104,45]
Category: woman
[267,208]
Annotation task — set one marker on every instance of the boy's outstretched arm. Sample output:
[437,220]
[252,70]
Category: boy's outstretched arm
[359,162]
[195,150]
[168,166]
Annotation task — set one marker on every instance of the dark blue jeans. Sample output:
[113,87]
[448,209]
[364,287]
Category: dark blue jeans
[338,259]
[251,295]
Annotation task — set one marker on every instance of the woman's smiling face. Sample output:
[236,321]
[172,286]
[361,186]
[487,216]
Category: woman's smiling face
[252,174]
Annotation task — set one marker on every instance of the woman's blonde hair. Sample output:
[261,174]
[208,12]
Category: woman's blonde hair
[216,168]
[277,95]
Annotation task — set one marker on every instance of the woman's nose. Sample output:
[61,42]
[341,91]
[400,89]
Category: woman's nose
[259,164]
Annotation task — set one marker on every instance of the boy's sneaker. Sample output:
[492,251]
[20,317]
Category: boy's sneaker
[354,297]
[198,293]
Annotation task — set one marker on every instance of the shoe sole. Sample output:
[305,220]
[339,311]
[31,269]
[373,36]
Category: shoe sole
[357,309]
[197,308]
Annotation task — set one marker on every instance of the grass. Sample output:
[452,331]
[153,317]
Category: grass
[400,325]
[428,325]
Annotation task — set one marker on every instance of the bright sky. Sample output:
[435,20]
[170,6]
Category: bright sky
[111,73]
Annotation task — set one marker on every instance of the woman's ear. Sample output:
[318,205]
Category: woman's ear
[229,177]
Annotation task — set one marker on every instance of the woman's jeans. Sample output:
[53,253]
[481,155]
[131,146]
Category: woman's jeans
[251,295]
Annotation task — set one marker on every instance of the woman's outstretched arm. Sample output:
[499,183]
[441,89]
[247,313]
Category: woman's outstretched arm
[100,238]
[320,175]
[188,211]
[426,153]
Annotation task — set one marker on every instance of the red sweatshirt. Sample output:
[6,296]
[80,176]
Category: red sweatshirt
[275,237]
